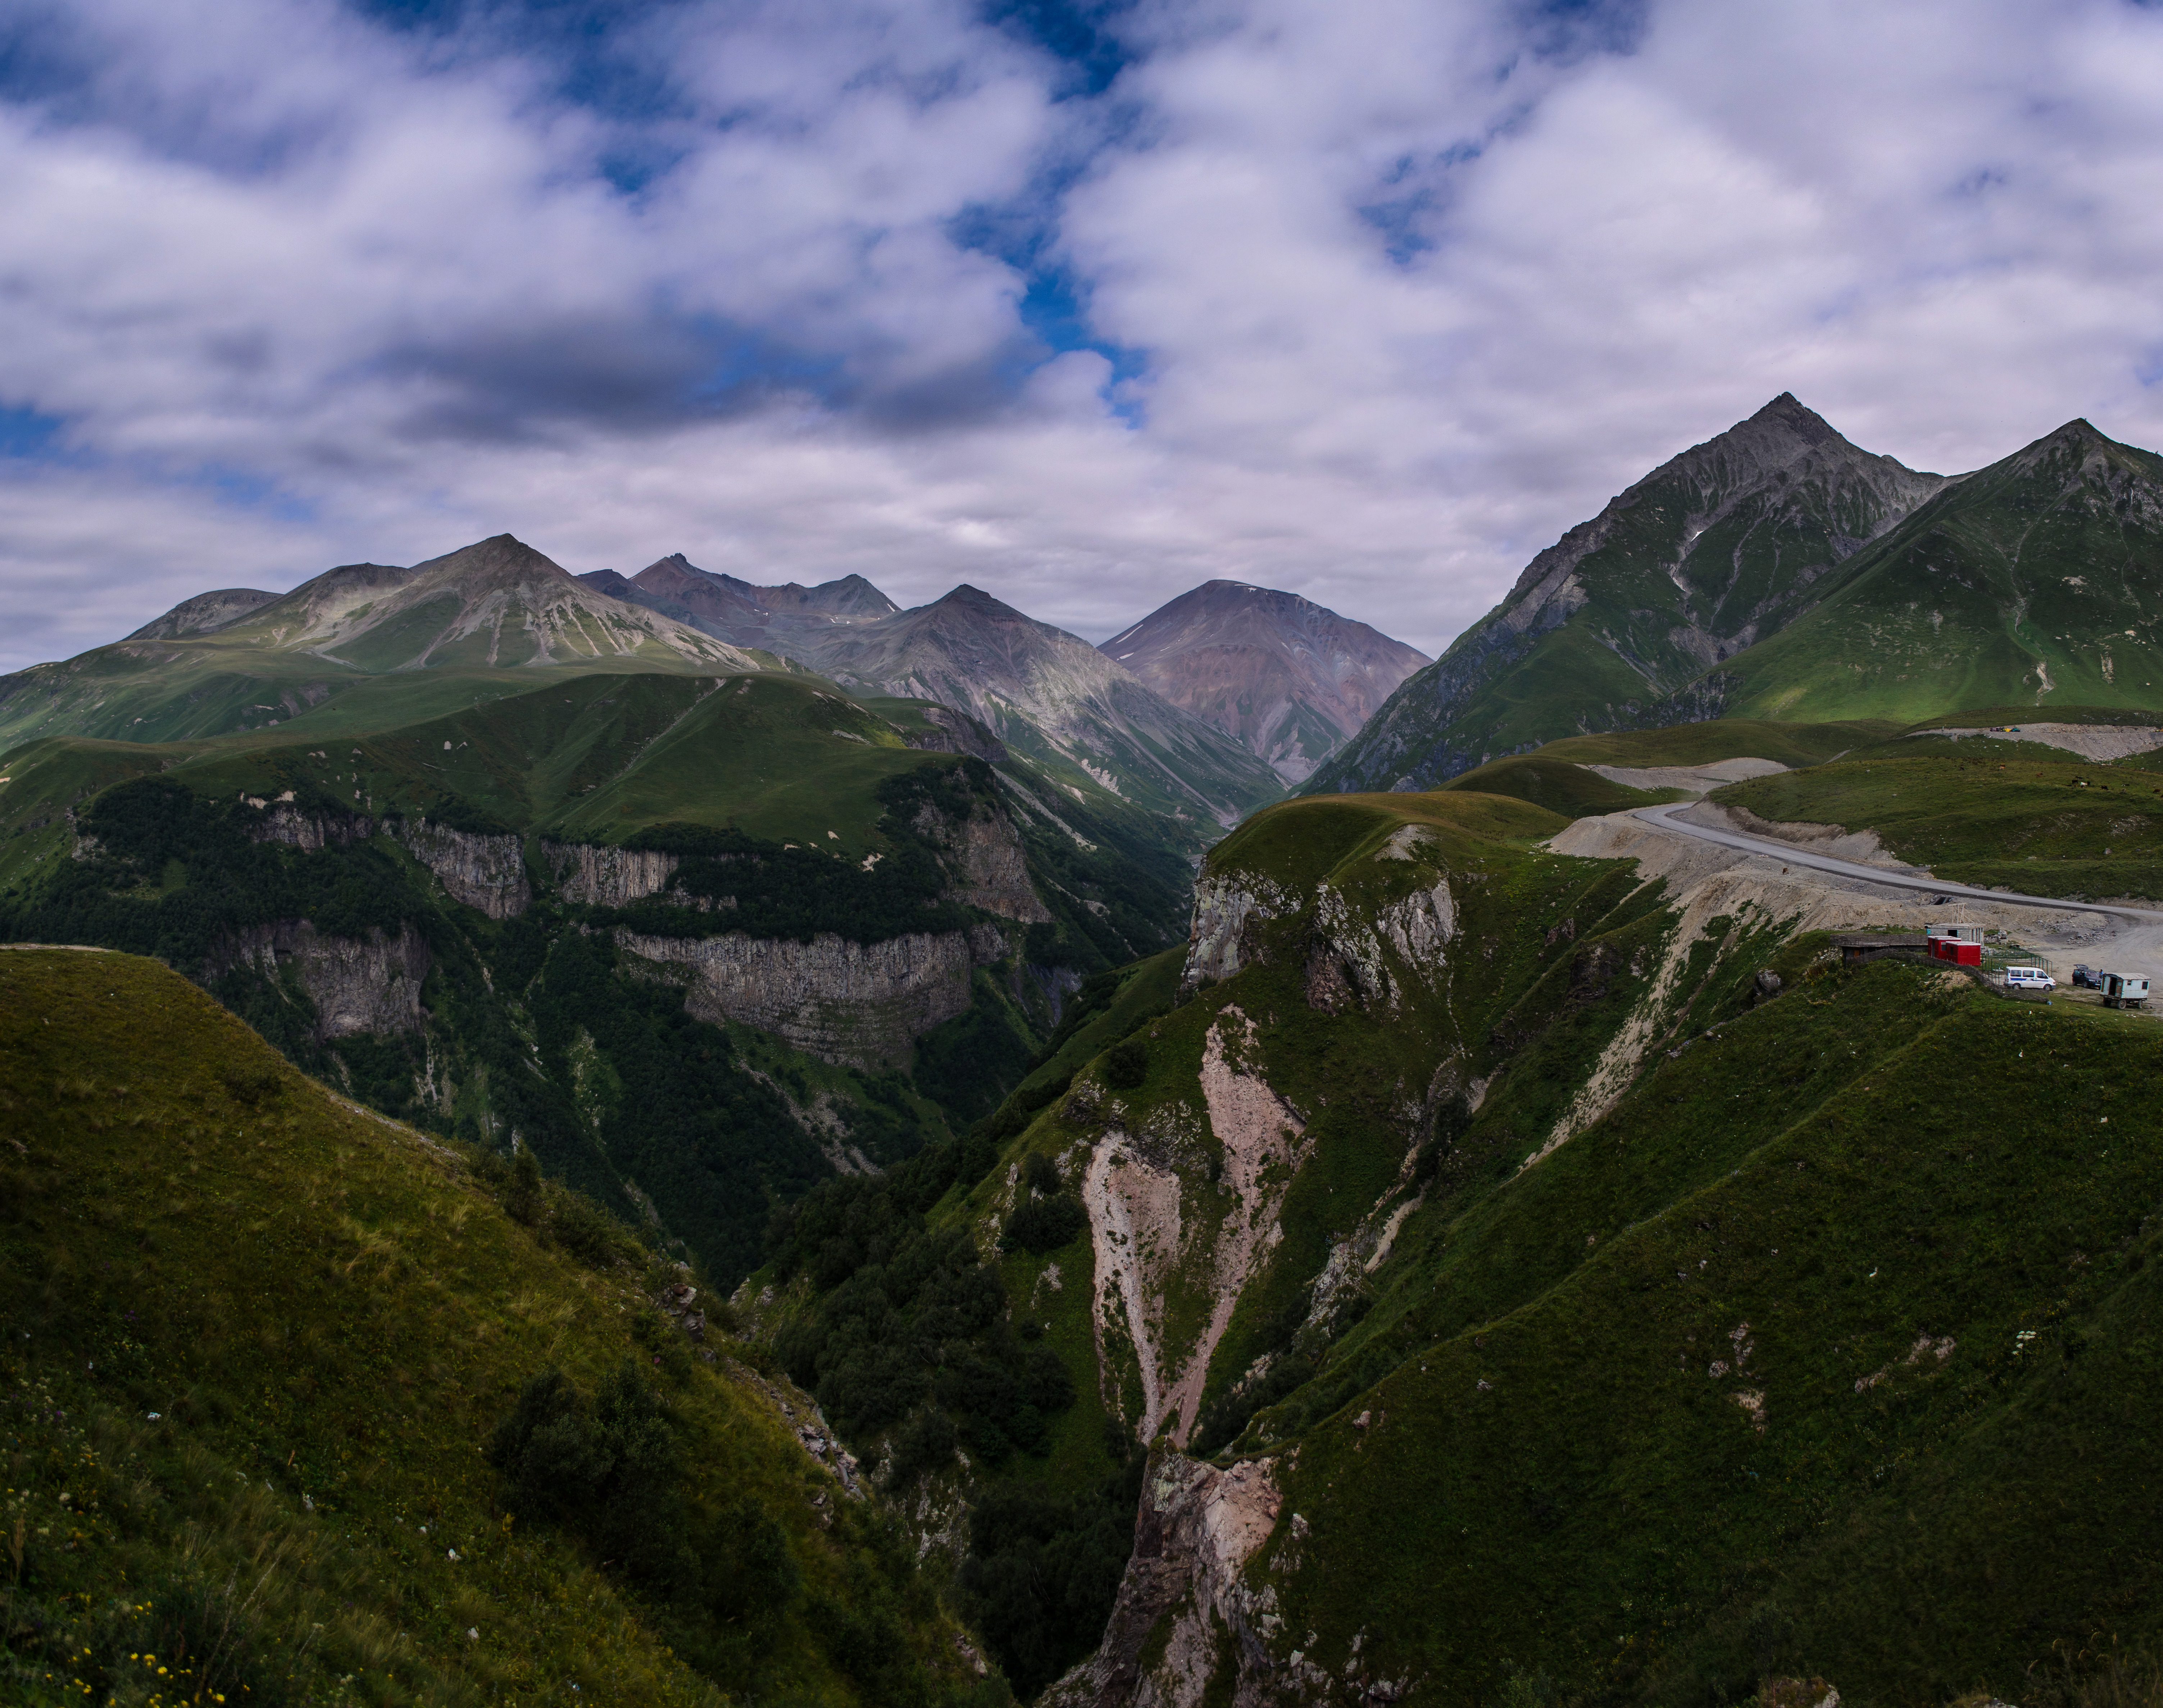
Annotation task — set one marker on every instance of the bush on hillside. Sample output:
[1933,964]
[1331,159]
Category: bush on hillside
[1126,1065]
[609,1468]
[1044,1224]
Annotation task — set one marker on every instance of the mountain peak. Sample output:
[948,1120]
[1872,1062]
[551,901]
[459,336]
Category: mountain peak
[974,600]
[1289,679]
[1798,417]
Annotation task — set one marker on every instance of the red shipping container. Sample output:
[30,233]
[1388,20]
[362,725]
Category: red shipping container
[1966,954]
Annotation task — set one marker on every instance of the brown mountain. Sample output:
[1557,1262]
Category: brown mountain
[1289,679]
[204,612]
[788,619]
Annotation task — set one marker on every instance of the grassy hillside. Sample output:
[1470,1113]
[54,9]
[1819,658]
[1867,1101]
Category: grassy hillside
[2026,583]
[260,1343]
[1988,813]
[1791,744]
[1826,1353]
[1568,790]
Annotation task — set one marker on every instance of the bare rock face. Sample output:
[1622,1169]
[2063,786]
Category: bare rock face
[488,872]
[1218,944]
[358,985]
[986,862]
[863,1004]
[1345,964]
[607,877]
[957,732]
[1196,1531]
[311,832]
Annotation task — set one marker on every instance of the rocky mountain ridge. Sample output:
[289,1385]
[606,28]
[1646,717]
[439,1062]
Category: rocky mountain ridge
[1779,571]
[1050,695]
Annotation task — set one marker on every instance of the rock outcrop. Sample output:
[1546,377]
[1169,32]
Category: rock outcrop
[604,877]
[1346,967]
[282,822]
[488,872]
[1197,1529]
[986,865]
[370,985]
[1226,909]
[864,1004]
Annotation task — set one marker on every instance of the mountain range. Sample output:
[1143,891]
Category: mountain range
[1779,570]
[1284,678]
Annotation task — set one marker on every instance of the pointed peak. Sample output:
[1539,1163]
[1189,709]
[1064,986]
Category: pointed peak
[967,598]
[1789,412]
[496,555]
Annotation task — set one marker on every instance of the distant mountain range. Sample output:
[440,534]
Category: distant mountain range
[1284,678]
[1779,571]
[1291,680]
[429,636]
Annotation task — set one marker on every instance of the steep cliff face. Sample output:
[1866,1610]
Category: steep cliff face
[311,832]
[864,1004]
[1185,1617]
[1229,910]
[370,985]
[488,872]
[985,862]
[599,876]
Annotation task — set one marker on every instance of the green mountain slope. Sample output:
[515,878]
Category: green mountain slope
[2015,815]
[696,942]
[259,1347]
[2031,581]
[1720,546]
[477,622]
[1536,1285]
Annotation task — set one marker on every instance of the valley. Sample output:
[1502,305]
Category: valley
[658,1138]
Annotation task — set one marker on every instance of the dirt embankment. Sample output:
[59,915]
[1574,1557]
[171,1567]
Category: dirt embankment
[2101,742]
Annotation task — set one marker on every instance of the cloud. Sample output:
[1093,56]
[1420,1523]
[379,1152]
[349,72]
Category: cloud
[1081,304]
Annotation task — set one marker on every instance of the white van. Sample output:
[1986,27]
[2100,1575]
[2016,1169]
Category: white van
[2028,979]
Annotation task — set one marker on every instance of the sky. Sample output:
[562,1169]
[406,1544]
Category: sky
[1082,303]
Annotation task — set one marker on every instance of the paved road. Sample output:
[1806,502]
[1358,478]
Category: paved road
[1790,854]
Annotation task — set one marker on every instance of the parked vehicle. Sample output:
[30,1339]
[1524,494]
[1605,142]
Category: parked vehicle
[2028,979]
[2124,990]
[2086,977]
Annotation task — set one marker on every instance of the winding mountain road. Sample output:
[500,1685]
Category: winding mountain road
[2135,945]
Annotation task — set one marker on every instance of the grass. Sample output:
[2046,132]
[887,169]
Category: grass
[2047,826]
[1557,787]
[1567,1478]
[257,1340]
[1791,744]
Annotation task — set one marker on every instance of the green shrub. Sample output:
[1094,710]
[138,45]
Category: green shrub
[1044,1224]
[589,1234]
[1126,1065]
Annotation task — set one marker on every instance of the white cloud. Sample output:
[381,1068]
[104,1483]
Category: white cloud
[1411,295]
